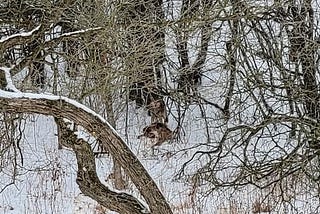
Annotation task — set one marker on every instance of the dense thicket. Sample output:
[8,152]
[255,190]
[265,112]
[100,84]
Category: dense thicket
[245,73]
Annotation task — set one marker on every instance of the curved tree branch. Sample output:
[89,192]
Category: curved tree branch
[62,107]
[88,180]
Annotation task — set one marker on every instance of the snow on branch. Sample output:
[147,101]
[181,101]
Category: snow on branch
[61,37]
[88,180]
[21,95]
[73,33]
[10,86]
[63,107]
[18,36]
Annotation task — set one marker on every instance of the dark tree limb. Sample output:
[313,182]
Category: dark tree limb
[182,47]
[232,62]
[231,47]
[88,180]
[20,38]
[144,35]
[61,107]
[190,75]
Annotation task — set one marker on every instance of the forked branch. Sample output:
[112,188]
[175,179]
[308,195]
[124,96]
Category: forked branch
[61,107]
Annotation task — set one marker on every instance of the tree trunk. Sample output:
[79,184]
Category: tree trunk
[118,182]
[61,107]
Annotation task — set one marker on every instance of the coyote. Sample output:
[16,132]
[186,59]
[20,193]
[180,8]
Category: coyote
[158,132]
[157,111]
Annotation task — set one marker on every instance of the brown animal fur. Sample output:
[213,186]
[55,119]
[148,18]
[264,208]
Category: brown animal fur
[157,111]
[158,132]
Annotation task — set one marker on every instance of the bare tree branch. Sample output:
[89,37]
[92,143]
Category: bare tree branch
[88,180]
[62,107]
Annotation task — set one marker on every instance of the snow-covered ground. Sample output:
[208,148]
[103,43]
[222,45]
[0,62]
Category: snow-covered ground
[46,181]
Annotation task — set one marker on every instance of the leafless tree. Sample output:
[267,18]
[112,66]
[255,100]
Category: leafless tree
[269,99]
[247,70]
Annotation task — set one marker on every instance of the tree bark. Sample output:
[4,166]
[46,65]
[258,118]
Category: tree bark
[119,182]
[88,180]
[146,34]
[62,107]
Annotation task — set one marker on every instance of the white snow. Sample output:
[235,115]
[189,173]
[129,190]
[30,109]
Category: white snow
[21,95]
[79,32]
[23,34]
[10,86]
[163,166]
